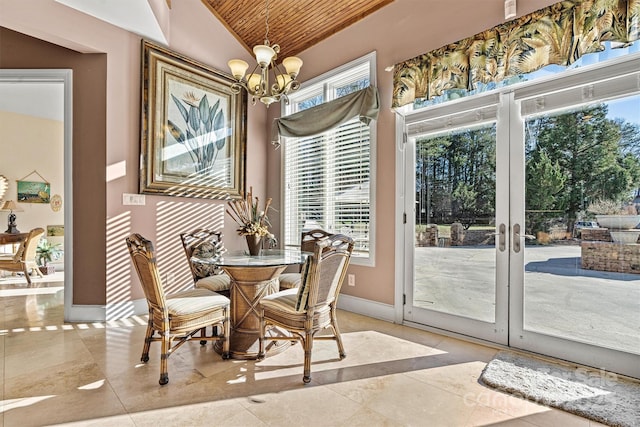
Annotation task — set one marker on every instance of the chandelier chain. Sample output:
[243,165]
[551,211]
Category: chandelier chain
[266,23]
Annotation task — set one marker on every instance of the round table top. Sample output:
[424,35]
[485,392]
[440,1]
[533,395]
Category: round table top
[266,258]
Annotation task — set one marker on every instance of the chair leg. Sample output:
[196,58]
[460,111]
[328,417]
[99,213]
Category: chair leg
[263,326]
[226,331]
[35,268]
[164,357]
[26,275]
[147,340]
[336,333]
[203,335]
[308,346]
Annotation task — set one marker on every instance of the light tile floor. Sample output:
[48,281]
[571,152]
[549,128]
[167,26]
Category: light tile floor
[90,375]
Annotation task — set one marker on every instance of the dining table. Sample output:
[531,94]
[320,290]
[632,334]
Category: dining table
[252,278]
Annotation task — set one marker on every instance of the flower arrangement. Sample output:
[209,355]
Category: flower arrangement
[250,218]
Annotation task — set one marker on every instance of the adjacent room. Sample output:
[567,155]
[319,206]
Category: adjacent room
[331,213]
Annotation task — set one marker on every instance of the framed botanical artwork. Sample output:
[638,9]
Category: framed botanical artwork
[193,137]
[34,192]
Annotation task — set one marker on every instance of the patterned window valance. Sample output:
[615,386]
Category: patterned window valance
[558,34]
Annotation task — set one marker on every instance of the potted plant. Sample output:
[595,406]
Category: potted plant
[620,219]
[45,253]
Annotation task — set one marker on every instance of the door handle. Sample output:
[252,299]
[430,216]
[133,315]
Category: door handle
[517,236]
[502,237]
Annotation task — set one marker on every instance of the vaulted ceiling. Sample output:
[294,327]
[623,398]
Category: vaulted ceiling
[294,25]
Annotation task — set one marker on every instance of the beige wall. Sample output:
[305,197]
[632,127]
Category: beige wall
[399,31]
[111,137]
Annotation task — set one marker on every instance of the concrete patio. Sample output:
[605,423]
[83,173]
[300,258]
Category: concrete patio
[561,298]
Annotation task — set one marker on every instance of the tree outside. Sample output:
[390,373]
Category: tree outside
[571,159]
[575,158]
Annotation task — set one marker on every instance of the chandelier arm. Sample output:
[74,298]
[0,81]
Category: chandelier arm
[237,87]
[293,86]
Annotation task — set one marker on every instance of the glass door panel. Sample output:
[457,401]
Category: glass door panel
[581,291]
[455,260]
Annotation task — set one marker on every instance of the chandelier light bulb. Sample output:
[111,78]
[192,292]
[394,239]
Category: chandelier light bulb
[264,55]
[253,83]
[282,80]
[238,68]
[292,64]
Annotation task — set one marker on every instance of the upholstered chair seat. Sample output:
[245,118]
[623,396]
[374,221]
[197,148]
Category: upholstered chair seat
[289,281]
[308,241]
[215,283]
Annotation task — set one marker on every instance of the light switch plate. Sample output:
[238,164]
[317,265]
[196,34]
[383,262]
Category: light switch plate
[133,199]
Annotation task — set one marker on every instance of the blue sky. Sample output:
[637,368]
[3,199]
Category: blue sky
[627,108]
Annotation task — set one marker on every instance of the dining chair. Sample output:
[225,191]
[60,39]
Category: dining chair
[308,241]
[202,248]
[311,308]
[176,317]
[25,257]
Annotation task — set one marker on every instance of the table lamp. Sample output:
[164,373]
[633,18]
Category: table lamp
[11,206]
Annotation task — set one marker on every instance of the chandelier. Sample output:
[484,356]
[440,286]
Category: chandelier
[258,82]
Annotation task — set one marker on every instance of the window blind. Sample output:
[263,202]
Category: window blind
[327,177]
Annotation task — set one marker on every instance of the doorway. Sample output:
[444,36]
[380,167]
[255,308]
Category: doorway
[24,90]
[493,193]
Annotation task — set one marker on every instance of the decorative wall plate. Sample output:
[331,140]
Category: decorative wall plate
[56,202]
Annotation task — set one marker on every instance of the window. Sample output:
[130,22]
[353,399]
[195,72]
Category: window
[328,178]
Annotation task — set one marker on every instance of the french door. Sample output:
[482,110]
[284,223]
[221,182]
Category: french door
[499,181]
[461,179]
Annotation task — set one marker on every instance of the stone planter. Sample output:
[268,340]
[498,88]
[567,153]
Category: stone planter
[618,222]
[621,227]
[625,236]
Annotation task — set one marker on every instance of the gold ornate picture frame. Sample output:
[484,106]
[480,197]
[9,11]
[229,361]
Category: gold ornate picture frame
[193,138]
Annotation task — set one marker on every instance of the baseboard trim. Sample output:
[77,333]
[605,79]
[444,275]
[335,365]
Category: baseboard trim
[366,307]
[85,313]
[101,313]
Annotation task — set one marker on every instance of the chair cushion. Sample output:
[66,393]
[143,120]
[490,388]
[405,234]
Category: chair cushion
[289,280]
[303,290]
[284,300]
[215,283]
[194,301]
[204,257]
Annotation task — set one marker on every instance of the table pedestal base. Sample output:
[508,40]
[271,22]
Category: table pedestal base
[248,286]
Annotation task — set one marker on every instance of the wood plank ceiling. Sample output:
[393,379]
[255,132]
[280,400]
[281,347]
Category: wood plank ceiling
[293,24]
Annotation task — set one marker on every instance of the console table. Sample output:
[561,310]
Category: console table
[13,239]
